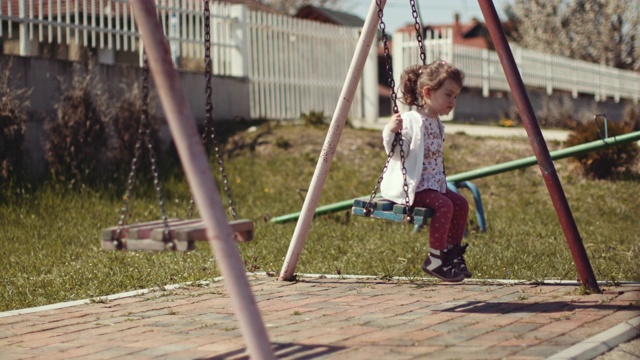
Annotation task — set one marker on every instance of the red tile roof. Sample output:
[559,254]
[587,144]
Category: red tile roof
[470,34]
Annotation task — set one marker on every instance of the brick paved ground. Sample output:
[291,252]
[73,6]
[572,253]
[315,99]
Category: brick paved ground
[325,318]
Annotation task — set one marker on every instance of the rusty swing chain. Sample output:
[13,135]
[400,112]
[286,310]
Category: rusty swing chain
[398,140]
[208,136]
[418,28]
[144,134]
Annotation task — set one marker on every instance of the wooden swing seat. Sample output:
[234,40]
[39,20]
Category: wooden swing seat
[389,210]
[182,234]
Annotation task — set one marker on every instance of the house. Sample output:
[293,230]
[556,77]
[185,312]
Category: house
[474,33]
[324,15]
[252,4]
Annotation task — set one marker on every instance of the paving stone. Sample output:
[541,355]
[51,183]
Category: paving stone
[327,319]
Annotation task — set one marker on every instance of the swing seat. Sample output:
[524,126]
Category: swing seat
[389,210]
[182,235]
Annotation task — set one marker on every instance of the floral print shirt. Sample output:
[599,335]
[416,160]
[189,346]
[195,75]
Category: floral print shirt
[433,176]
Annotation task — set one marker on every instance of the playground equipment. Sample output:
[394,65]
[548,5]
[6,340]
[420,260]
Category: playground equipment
[167,235]
[388,210]
[487,171]
[195,162]
[174,234]
[383,209]
[525,109]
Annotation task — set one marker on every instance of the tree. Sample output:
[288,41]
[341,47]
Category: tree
[600,31]
[292,6]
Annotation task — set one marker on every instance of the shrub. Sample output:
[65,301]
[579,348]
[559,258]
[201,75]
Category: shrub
[314,118]
[557,112]
[283,143]
[77,137]
[609,162]
[125,122]
[13,117]
[632,116]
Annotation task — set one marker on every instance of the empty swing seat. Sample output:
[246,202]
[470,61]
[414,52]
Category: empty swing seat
[389,210]
[182,235]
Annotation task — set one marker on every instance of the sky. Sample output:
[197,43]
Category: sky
[397,13]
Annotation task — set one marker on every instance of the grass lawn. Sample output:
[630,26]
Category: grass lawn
[50,234]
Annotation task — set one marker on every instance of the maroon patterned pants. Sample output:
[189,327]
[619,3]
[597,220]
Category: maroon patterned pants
[449,221]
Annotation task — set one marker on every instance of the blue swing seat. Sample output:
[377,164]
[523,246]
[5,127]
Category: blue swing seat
[389,210]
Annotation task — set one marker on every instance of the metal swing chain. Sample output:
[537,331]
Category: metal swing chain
[367,207]
[398,140]
[144,133]
[418,28]
[208,135]
[130,181]
[150,146]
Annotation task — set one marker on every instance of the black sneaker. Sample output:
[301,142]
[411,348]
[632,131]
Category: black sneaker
[446,271]
[457,253]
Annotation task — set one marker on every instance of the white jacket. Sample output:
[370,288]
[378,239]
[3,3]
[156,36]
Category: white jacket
[392,185]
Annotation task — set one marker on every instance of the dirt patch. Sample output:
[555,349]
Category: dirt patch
[356,146]
[266,140]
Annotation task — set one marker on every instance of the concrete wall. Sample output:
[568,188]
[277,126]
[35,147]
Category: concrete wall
[473,107]
[47,78]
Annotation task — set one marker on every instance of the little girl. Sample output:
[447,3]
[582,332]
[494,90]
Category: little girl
[433,90]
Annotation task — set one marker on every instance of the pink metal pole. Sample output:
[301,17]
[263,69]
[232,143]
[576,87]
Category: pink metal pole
[331,142]
[196,166]
[539,146]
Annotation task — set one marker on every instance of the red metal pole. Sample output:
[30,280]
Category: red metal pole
[540,149]
[196,166]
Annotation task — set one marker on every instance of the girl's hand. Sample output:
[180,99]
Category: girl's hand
[395,123]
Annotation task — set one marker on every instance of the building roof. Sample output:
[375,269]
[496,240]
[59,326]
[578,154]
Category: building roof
[310,12]
[253,5]
[474,33]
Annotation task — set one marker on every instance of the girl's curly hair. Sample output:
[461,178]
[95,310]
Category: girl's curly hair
[417,77]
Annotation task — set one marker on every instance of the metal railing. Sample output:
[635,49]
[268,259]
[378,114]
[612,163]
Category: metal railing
[546,71]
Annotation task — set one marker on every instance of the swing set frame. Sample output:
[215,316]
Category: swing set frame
[219,232]
[538,144]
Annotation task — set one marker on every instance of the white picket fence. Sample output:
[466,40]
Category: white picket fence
[294,66]
[297,66]
[483,70]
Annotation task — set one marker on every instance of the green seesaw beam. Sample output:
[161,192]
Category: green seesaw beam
[488,171]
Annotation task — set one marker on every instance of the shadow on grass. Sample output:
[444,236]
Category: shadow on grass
[285,350]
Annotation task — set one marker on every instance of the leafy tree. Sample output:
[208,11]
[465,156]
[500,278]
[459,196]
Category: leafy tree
[600,31]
